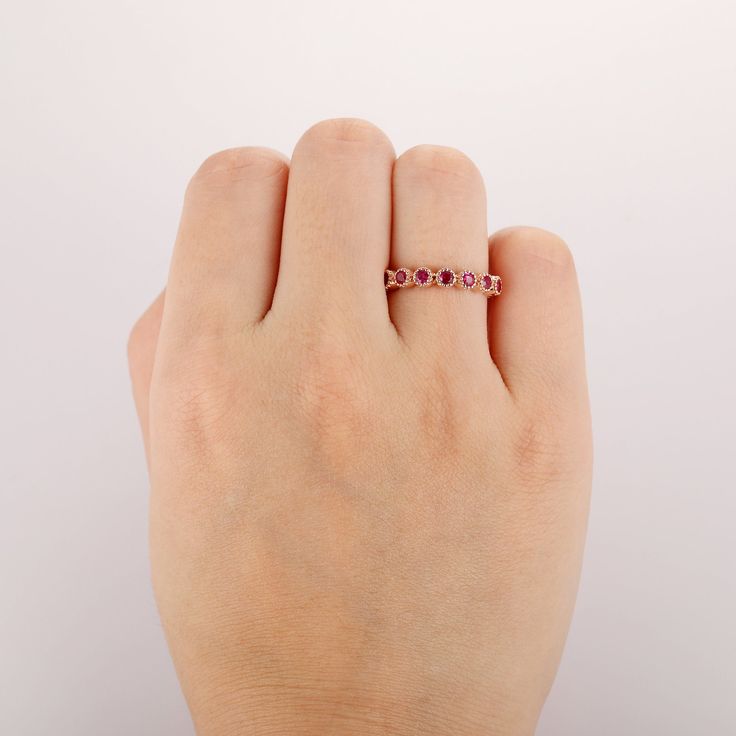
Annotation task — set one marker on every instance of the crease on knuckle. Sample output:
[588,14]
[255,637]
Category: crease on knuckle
[438,417]
[331,393]
[195,399]
[537,455]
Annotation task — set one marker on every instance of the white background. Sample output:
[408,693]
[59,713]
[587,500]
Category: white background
[612,123]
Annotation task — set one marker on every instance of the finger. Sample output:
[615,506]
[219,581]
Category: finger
[439,221]
[141,355]
[224,265]
[337,223]
[535,327]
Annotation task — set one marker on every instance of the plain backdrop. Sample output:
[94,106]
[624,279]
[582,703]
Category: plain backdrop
[612,123]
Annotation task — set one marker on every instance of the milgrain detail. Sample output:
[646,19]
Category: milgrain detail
[423,276]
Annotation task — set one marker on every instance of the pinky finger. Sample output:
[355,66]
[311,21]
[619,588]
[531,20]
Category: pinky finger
[535,329]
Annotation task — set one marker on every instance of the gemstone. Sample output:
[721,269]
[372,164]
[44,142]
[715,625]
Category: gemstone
[499,286]
[400,277]
[468,279]
[422,276]
[486,282]
[446,277]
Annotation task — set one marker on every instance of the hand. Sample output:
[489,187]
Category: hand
[367,508]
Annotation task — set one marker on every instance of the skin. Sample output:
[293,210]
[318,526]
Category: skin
[367,509]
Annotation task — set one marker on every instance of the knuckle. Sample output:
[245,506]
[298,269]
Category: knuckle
[440,161]
[537,453]
[346,131]
[196,405]
[196,389]
[539,246]
[330,386]
[251,163]
[438,416]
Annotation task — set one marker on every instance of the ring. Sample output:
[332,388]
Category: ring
[402,278]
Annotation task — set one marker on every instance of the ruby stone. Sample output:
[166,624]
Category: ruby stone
[468,279]
[400,277]
[445,277]
[421,275]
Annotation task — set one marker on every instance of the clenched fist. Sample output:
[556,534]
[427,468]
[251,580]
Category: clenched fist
[368,506]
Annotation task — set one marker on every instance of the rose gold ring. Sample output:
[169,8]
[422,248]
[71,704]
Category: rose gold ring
[402,278]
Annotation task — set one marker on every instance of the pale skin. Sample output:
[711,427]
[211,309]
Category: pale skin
[368,509]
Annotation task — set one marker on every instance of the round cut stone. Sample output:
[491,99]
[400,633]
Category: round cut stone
[446,277]
[422,276]
[468,279]
[486,282]
[499,286]
[400,277]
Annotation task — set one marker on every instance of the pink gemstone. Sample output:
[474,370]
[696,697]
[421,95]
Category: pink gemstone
[486,282]
[498,286]
[421,275]
[400,277]
[468,279]
[445,277]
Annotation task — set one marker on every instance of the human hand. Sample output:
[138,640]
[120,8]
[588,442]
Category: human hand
[367,507]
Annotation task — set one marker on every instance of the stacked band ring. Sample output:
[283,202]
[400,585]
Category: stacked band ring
[401,278]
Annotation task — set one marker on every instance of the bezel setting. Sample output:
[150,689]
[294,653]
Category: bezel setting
[472,285]
[407,277]
[487,289]
[486,283]
[439,278]
[430,277]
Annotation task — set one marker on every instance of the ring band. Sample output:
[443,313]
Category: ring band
[486,283]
